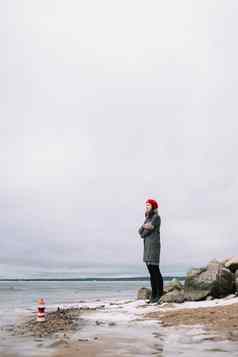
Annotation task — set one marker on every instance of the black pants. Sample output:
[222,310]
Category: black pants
[156,280]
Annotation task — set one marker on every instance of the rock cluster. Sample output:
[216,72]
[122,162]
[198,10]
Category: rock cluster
[143,293]
[216,280]
[173,292]
[62,320]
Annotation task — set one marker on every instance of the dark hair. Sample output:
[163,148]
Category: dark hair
[151,212]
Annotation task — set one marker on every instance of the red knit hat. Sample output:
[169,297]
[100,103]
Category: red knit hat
[153,203]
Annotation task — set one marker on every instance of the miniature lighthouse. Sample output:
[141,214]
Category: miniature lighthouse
[40,310]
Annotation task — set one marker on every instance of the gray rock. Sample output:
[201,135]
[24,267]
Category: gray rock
[213,280]
[232,264]
[143,294]
[208,298]
[224,261]
[99,322]
[59,343]
[175,295]
[229,297]
[236,284]
[172,285]
[112,324]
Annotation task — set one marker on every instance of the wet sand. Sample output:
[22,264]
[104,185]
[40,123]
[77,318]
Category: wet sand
[223,320]
[106,346]
[175,330]
[133,328]
[89,349]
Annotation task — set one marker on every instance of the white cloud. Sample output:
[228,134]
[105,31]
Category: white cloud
[106,103]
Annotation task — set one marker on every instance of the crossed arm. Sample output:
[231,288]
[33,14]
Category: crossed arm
[146,228]
[144,231]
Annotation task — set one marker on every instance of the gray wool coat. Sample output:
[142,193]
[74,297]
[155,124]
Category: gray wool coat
[151,254]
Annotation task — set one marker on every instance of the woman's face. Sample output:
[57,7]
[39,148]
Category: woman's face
[148,207]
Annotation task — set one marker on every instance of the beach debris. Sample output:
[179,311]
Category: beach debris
[99,322]
[40,315]
[112,323]
[158,335]
[61,342]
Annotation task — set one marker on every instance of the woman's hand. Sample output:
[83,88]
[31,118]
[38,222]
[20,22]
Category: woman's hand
[148,226]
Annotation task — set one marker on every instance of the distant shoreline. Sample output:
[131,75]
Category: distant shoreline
[137,278]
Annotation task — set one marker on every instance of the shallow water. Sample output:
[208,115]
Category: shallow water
[17,298]
[134,337]
[120,321]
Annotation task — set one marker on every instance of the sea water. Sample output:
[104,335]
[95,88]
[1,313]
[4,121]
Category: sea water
[19,296]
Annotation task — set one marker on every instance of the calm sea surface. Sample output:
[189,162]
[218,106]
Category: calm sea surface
[17,297]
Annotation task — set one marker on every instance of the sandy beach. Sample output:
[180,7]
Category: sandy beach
[130,328]
[221,319]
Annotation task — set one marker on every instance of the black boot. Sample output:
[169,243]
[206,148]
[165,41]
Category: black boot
[154,298]
[157,299]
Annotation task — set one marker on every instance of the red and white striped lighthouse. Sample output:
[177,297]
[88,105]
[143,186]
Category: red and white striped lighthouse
[40,310]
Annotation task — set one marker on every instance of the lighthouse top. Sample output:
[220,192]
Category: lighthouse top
[41,301]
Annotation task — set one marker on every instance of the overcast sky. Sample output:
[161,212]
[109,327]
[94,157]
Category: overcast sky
[105,104]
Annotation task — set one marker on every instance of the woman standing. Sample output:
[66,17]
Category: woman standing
[150,232]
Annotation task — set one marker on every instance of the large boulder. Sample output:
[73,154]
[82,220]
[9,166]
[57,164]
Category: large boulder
[236,281]
[214,280]
[172,285]
[143,293]
[224,261]
[173,296]
[173,292]
[232,264]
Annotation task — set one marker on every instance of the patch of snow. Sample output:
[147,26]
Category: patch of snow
[206,303]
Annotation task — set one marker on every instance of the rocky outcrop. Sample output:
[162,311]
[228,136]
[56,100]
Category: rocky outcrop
[173,292]
[144,294]
[236,281]
[174,284]
[232,264]
[176,296]
[215,280]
